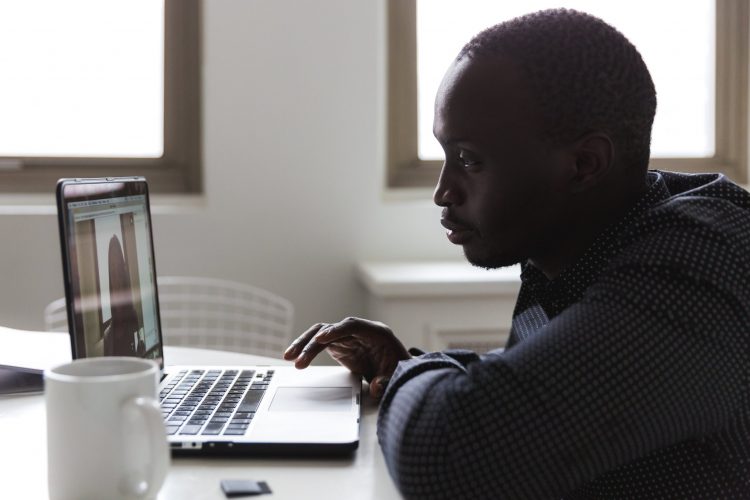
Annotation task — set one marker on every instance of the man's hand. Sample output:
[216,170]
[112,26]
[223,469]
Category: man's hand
[367,348]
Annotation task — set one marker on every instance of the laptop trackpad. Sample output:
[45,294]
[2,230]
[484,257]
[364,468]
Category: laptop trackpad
[312,399]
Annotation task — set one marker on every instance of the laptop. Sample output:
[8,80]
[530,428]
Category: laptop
[113,310]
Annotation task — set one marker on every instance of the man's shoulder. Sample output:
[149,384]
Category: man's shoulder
[701,230]
[699,205]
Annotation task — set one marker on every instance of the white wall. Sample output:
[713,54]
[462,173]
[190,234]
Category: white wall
[293,140]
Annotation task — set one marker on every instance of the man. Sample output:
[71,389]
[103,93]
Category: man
[626,372]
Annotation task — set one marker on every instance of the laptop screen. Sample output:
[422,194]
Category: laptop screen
[110,277]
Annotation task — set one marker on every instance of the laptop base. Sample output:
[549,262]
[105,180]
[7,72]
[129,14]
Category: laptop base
[250,450]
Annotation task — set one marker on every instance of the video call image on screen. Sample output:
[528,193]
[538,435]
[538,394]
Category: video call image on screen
[115,303]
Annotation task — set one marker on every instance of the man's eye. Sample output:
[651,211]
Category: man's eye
[467,160]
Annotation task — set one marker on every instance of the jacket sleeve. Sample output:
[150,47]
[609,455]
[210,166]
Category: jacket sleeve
[622,373]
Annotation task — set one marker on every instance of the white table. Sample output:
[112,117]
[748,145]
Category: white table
[23,457]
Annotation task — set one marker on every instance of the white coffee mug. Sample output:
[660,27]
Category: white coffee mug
[105,432]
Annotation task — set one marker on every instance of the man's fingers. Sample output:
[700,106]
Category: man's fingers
[321,335]
[345,328]
[325,335]
[307,346]
[308,353]
[300,342]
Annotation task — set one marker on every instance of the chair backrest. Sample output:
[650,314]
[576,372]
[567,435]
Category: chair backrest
[225,315]
[213,314]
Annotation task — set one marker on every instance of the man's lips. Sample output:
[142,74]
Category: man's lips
[457,233]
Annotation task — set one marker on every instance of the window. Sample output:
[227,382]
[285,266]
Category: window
[702,62]
[96,89]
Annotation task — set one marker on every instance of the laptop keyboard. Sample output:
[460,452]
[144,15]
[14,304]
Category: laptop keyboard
[212,402]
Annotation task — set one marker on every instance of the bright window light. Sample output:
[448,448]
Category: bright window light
[82,78]
[679,52]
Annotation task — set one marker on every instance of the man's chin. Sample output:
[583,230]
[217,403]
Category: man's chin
[489,260]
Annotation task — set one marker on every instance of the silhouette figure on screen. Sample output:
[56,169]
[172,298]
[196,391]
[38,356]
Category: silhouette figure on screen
[121,330]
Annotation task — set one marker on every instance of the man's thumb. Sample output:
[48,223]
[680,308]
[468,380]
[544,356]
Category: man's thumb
[378,385]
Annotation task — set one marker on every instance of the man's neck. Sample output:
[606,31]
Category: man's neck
[584,226]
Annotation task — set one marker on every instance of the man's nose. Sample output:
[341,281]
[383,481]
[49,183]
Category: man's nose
[447,191]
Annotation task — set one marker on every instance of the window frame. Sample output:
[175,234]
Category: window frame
[179,169]
[405,169]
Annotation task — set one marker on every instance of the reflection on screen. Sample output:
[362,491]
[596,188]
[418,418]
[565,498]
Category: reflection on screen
[113,277]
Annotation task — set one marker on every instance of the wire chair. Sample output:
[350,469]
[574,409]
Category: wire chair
[56,316]
[212,314]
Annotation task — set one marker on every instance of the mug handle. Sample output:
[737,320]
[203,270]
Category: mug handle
[149,408]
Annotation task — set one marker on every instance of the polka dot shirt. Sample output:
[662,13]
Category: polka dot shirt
[624,377]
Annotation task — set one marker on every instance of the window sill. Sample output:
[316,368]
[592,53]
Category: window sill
[44,204]
[436,279]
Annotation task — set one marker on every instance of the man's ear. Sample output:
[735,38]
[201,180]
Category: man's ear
[594,155]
